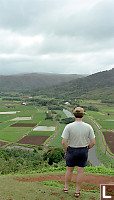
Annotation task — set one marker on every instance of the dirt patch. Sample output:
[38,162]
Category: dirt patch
[23,125]
[109,138]
[89,181]
[34,140]
[2,143]
[0,122]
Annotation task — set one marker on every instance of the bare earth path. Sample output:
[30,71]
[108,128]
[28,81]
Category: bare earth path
[88,179]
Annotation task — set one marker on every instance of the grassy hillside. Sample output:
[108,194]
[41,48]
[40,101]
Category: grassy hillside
[34,80]
[49,186]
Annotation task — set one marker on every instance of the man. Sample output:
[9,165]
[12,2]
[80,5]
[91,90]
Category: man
[81,138]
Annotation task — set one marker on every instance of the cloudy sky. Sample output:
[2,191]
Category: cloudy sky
[56,36]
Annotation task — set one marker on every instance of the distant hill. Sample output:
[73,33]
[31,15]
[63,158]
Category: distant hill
[34,80]
[95,86]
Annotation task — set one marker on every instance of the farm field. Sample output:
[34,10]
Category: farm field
[33,140]
[18,127]
[21,128]
[106,124]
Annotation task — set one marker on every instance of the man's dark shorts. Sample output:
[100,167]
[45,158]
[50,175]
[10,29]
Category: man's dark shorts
[76,157]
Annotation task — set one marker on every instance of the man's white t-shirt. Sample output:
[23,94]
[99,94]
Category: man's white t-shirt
[78,133]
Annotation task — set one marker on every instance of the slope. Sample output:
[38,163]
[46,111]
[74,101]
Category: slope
[101,82]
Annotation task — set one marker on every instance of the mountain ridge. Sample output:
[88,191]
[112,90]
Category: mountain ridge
[87,85]
[34,80]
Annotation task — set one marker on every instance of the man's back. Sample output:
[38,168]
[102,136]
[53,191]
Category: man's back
[79,133]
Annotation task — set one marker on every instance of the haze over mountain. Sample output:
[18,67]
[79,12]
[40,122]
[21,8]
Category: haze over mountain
[34,80]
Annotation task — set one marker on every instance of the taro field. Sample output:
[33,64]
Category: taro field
[24,125]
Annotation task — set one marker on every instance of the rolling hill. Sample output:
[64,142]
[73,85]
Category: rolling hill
[97,86]
[34,80]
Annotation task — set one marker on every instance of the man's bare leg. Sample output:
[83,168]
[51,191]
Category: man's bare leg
[79,179]
[68,176]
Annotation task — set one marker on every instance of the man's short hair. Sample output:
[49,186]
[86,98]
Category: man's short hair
[79,112]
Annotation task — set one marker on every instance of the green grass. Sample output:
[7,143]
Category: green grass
[39,116]
[47,123]
[13,134]
[5,124]
[41,133]
[10,188]
[7,117]
[11,137]
[57,140]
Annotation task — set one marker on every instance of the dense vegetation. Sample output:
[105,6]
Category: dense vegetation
[17,160]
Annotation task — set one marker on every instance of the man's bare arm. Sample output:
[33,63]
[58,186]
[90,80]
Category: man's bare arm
[92,143]
[64,143]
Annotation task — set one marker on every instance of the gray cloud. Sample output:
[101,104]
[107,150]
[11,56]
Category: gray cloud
[59,36]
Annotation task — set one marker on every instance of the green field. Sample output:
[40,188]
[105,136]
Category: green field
[57,140]
[47,123]
[45,133]
[106,124]
[99,115]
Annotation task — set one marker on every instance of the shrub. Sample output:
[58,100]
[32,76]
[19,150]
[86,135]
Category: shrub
[54,155]
[67,120]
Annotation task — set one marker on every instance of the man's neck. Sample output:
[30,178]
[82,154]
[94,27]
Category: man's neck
[78,120]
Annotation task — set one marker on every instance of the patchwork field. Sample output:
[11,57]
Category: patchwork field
[18,123]
[28,124]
